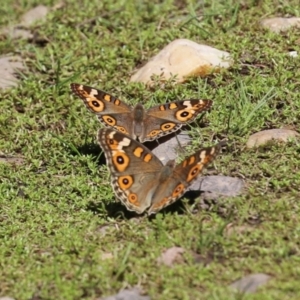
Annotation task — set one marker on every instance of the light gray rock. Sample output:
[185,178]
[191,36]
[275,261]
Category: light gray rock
[16,32]
[250,283]
[280,24]
[37,13]
[218,185]
[133,294]
[21,31]
[170,256]
[262,137]
[9,67]
[169,146]
[183,58]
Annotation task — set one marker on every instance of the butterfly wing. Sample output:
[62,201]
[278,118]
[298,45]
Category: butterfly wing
[134,169]
[164,119]
[111,112]
[182,177]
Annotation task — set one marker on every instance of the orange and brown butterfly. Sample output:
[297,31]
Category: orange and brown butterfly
[140,180]
[138,122]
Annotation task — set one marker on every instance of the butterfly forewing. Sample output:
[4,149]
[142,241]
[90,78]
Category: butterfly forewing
[138,123]
[167,118]
[111,111]
[97,101]
[183,111]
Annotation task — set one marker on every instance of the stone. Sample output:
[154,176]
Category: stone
[182,58]
[168,147]
[250,283]
[293,53]
[35,14]
[20,31]
[280,24]
[9,67]
[218,185]
[262,137]
[16,32]
[13,160]
[127,294]
[171,255]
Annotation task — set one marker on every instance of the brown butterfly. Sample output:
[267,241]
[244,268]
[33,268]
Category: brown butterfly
[138,177]
[138,122]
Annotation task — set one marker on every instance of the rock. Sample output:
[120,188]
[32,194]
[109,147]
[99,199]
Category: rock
[293,53]
[9,66]
[170,256]
[169,146]
[106,255]
[250,284]
[133,294]
[232,229]
[218,185]
[211,192]
[16,32]
[260,138]
[14,160]
[182,58]
[20,30]
[280,24]
[35,14]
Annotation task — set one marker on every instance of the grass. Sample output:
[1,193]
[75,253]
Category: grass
[58,217]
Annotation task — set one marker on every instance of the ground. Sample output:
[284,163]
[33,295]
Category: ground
[62,234]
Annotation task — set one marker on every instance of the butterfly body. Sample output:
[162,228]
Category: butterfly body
[138,177]
[138,122]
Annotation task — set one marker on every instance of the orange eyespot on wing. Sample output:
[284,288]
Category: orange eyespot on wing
[194,172]
[167,126]
[97,100]
[121,129]
[109,120]
[120,161]
[125,182]
[192,109]
[178,190]
[112,143]
[133,199]
[184,115]
[95,105]
[153,133]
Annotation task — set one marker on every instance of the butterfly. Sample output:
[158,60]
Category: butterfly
[138,122]
[140,180]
